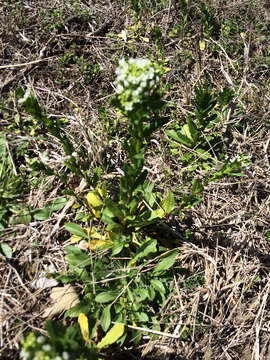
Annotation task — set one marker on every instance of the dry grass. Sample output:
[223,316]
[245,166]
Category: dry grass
[223,313]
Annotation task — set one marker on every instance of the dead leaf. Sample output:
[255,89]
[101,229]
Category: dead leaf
[43,282]
[64,299]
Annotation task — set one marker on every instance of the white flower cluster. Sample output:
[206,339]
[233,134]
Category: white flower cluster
[25,355]
[42,353]
[135,80]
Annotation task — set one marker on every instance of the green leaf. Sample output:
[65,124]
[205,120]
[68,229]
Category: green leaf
[58,204]
[7,250]
[112,336]
[140,180]
[76,257]
[42,214]
[45,212]
[31,105]
[188,133]
[81,307]
[114,227]
[193,132]
[196,187]
[105,320]
[106,296]
[167,261]
[157,285]
[151,293]
[174,135]
[93,323]
[168,203]
[141,295]
[112,210]
[75,229]
[22,219]
[142,316]
[117,248]
[180,137]
[146,249]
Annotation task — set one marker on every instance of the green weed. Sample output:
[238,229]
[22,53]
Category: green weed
[125,273]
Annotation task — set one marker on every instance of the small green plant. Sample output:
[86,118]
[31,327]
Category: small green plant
[87,69]
[136,205]
[136,7]
[211,27]
[200,142]
[128,295]
[133,292]
[76,161]
[184,11]
[12,184]
[199,132]
[131,279]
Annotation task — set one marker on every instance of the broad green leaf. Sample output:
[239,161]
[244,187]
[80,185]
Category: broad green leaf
[114,227]
[180,137]
[105,320]
[42,214]
[58,204]
[7,250]
[196,187]
[81,307]
[45,212]
[31,104]
[75,229]
[106,296]
[186,132]
[158,213]
[168,203]
[112,336]
[107,218]
[141,316]
[146,249]
[112,210]
[76,257]
[157,285]
[117,248]
[151,293]
[166,262]
[142,294]
[192,128]
[173,134]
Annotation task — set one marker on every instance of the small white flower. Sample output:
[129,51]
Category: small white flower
[129,106]
[41,339]
[47,347]
[65,355]
[24,354]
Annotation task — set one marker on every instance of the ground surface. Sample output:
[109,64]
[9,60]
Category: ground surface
[67,52]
